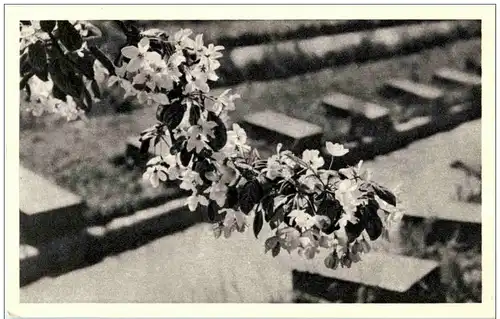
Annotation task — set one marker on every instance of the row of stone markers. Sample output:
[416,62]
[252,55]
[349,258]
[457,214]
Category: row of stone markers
[368,129]
[381,277]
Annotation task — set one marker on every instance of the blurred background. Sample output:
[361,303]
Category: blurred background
[402,95]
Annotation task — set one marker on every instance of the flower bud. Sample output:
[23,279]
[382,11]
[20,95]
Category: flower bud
[332,261]
[365,246]
[346,261]
[356,248]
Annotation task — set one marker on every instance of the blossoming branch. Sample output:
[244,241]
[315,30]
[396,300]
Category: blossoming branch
[307,205]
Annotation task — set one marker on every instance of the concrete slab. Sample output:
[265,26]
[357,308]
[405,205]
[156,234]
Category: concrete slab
[458,77]
[414,88]
[46,210]
[387,271]
[38,195]
[423,172]
[284,124]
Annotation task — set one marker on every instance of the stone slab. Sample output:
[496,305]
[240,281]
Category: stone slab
[458,77]
[414,88]
[351,105]
[423,173]
[46,210]
[284,124]
[376,269]
[38,195]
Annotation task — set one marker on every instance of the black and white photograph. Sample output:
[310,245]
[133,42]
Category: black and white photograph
[271,161]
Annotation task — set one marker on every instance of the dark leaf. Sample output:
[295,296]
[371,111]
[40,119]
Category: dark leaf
[258,222]
[212,210]
[160,112]
[85,64]
[80,104]
[69,36]
[177,146]
[37,58]
[194,114]
[145,144]
[332,209]
[279,216]
[88,99]
[273,224]
[25,79]
[58,93]
[276,249]
[231,197]
[69,82]
[95,89]
[47,25]
[156,140]
[354,230]
[288,189]
[202,167]
[346,261]
[249,195]
[173,114]
[186,157]
[373,223]
[271,243]
[220,133]
[268,207]
[28,92]
[384,194]
[24,65]
[101,57]
[356,248]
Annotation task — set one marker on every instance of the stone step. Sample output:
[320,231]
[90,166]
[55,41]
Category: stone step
[388,277]
[46,209]
[417,99]
[366,118]
[293,133]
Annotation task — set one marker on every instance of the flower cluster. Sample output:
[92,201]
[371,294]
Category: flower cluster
[41,52]
[307,205]
[43,101]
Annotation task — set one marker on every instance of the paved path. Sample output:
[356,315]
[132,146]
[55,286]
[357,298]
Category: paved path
[191,266]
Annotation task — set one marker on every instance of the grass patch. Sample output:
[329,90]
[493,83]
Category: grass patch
[79,157]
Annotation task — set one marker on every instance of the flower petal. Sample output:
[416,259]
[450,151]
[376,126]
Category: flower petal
[130,52]
[134,64]
[143,45]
